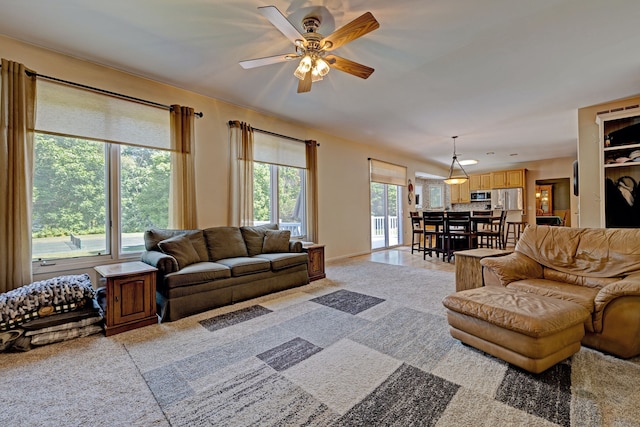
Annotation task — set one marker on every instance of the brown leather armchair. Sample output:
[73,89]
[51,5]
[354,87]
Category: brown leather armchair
[596,268]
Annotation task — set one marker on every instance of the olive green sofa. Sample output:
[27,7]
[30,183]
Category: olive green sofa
[203,269]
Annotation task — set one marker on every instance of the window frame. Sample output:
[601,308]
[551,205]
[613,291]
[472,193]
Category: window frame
[274,196]
[69,110]
[113,221]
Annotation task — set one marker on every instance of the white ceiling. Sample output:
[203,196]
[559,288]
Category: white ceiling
[507,76]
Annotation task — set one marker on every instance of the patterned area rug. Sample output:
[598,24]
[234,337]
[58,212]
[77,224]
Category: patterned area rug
[367,346]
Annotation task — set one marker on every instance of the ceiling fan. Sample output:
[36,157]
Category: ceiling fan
[312,47]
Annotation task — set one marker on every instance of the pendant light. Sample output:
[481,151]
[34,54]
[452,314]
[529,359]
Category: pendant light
[456,179]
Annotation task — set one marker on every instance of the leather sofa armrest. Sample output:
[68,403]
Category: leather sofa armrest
[512,267]
[164,263]
[629,286]
[295,246]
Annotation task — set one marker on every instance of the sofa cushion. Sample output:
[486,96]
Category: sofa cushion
[595,252]
[181,249]
[241,266]
[591,282]
[581,295]
[280,261]
[197,273]
[225,242]
[276,241]
[156,235]
[254,236]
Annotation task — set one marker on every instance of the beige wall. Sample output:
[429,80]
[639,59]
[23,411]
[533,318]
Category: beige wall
[590,172]
[343,164]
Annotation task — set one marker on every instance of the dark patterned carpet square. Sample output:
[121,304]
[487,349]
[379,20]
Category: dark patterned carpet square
[546,395]
[233,318]
[288,354]
[348,301]
[409,396]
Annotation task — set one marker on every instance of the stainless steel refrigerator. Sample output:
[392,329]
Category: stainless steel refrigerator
[510,199]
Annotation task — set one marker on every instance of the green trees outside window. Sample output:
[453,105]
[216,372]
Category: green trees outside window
[279,196]
[74,200]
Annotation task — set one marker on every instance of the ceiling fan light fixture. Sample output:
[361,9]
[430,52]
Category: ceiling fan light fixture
[321,67]
[303,67]
[456,179]
[315,76]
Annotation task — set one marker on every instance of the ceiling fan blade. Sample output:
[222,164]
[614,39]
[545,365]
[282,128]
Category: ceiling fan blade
[351,31]
[305,85]
[259,62]
[348,66]
[281,23]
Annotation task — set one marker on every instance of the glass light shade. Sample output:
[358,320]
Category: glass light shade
[315,77]
[454,180]
[303,67]
[322,67]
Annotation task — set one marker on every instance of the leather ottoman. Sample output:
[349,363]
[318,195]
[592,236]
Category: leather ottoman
[527,330]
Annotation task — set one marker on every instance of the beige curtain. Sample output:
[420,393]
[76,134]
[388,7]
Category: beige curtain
[17,114]
[182,193]
[241,179]
[312,191]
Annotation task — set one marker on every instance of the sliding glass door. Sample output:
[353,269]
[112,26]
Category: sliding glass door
[385,215]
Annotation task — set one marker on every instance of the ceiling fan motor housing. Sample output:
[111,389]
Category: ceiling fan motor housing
[310,24]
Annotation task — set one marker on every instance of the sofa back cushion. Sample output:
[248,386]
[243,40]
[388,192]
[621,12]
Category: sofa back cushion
[254,237]
[181,249]
[276,241]
[155,235]
[593,252]
[225,242]
[590,282]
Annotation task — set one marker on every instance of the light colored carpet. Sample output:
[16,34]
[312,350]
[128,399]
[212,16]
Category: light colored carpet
[367,346]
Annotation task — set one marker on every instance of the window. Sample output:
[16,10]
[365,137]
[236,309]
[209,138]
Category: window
[279,176]
[69,197]
[101,174]
[144,194]
[436,199]
[279,197]
[73,201]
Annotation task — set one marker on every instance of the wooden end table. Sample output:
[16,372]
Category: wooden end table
[469,269]
[315,264]
[131,296]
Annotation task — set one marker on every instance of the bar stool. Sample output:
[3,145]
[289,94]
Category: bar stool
[433,226]
[515,228]
[418,232]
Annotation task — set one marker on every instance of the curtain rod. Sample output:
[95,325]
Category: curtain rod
[234,123]
[106,92]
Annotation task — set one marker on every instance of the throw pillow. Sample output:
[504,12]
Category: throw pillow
[276,241]
[225,242]
[155,235]
[254,237]
[181,249]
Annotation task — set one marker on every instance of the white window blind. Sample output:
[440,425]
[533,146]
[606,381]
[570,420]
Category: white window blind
[278,151]
[387,173]
[70,111]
